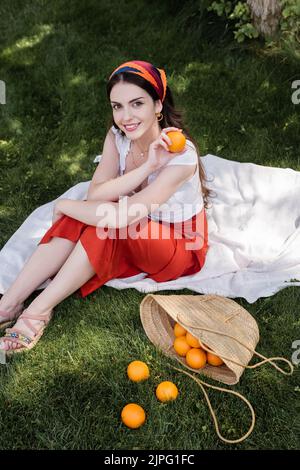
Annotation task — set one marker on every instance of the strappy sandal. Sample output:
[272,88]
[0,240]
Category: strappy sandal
[15,335]
[7,319]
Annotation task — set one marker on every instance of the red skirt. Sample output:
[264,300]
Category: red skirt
[165,251]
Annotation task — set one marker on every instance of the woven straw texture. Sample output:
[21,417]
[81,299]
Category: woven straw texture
[197,314]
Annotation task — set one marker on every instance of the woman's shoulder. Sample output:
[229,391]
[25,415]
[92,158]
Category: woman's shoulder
[114,130]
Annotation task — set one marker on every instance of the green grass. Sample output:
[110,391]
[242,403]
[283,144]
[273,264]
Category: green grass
[68,392]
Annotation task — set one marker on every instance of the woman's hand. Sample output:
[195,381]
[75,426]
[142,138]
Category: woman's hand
[159,154]
[57,213]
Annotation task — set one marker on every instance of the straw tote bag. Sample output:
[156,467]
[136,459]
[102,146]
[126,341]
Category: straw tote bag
[221,325]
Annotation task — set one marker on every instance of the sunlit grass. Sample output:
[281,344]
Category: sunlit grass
[27,42]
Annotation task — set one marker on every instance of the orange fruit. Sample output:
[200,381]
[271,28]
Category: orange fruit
[166,391]
[192,341]
[133,415]
[181,346]
[178,141]
[196,358]
[138,371]
[214,360]
[179,330]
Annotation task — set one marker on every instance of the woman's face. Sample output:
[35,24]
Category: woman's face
[132,105]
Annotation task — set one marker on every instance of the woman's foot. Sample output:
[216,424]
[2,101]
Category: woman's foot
[26,332]
[9,312]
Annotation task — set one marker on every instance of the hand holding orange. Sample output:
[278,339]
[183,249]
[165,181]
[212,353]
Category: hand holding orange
[178,141]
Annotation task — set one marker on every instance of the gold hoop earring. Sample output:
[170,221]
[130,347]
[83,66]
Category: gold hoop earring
[159,116]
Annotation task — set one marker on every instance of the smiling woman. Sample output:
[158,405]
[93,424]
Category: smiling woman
[136,117]
[144,213]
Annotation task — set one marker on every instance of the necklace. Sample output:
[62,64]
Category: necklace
[143,152]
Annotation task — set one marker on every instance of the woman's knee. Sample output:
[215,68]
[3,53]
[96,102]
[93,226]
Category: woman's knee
[150,254]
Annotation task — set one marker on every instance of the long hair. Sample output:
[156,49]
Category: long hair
[172,117]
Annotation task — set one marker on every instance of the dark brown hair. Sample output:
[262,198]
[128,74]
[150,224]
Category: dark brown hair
[172,117]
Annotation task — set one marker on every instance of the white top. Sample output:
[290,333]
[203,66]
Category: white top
[187,200]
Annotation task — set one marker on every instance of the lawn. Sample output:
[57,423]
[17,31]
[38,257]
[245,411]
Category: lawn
[68,392]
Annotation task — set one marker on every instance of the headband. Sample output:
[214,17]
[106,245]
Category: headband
[156,77]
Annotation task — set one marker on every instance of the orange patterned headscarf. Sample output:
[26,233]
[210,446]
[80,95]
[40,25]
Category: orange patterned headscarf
[156,77]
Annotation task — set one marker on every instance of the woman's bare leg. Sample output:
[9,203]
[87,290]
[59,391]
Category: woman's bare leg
[46,260]
[73,274]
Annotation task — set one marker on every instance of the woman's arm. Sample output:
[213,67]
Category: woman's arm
[131,209]
[121,186]
[153,197]
[112,188]
[103,213]
[95,213]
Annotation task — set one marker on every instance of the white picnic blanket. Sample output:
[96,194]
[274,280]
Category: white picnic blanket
[253,232]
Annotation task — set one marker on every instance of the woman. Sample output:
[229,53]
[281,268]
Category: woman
[144,212]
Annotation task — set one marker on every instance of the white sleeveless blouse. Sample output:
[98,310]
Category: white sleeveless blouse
[187,200]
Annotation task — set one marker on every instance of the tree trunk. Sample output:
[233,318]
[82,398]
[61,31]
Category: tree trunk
[265,15]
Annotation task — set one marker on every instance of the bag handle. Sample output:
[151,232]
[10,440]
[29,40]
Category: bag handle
[265,359]
[201,383]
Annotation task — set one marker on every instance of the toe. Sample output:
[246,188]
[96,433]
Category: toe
[3,345]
